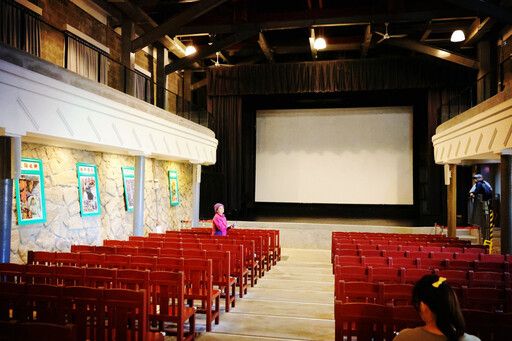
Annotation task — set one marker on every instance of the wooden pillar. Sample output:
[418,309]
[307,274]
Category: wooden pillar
[506,203]
[161,77]
[451,181]
[127,57]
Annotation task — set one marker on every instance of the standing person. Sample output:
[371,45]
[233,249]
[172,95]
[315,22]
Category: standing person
[439,309]
[481,187]
[220,224]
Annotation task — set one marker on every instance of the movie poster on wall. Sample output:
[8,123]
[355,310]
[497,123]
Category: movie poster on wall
[129,186]
[30,201]
[173,187]
[88,189]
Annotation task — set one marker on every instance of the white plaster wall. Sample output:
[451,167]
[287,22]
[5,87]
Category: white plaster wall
[65,226]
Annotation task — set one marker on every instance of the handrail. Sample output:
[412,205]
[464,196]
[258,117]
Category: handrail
[122,78]
[477,92]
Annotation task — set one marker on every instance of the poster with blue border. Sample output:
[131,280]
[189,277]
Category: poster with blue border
[30,200]
[88,189]
[173,187]
[129,186]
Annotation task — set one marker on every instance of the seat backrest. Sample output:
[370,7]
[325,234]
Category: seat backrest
[100,277]
[88,259]
[132,279]
[166,296]
[43,302]
[364,321]
[82,307]
[69,275]
[117,261]
[11,272]
[126,313]
[38,274]
[396,294]
[349,292]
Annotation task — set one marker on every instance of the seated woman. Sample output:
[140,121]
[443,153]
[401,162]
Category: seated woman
[220,224]
[439,309]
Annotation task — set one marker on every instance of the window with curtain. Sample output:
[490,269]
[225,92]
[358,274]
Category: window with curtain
[19,29]
[143,87]
[86,61]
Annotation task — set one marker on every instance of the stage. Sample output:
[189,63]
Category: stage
[315,233]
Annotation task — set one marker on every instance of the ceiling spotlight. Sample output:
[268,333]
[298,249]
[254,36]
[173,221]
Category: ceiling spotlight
[320,44]
[458,36]
[190,50]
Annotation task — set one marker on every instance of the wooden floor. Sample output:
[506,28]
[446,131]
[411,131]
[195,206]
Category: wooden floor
[293,301]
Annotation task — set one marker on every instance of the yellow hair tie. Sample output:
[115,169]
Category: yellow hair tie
[438,283]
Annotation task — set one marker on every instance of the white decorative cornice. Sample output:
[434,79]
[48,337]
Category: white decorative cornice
[49,111]
[482,136]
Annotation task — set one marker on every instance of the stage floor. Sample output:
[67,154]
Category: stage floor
[341,221]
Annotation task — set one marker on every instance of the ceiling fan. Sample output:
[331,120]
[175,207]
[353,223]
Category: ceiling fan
[386,36]
[216,62]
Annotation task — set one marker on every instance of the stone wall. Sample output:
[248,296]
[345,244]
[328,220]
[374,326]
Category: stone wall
[65,226]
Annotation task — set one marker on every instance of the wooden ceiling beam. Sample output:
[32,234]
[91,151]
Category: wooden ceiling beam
[367,40]
[488,8]
[435,52]
[324,22]
[172,25]
[265,48]
[209,50]
[145,23]
[314,52]
[477,30]
[427,32]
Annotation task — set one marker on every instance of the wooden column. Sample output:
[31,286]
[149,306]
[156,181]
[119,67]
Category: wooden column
[506,204]
[161,77]
[127,57]
[452,200]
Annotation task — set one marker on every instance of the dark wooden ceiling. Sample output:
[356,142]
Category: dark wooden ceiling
[278,31]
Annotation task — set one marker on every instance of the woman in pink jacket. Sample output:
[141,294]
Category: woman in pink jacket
[220,224]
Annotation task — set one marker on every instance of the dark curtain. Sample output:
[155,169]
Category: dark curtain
[227,112]
[235,129]
[335,76]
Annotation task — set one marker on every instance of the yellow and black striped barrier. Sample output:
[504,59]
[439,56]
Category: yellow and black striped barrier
[491,225]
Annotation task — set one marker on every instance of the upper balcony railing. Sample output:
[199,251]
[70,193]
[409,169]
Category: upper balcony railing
[482,89]
[24,30]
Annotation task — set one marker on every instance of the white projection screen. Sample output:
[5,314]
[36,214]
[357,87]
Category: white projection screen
[335,156]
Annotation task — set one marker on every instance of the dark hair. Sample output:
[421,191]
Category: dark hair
[443,302]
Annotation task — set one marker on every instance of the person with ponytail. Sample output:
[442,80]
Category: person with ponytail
[439,308]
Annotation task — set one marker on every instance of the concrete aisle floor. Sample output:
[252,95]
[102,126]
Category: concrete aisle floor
[293,301]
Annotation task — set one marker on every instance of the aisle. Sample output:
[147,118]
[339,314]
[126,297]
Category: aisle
[294,301]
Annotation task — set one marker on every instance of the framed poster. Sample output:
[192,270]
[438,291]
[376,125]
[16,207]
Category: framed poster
[129,186]
[88,189]
[173,186]
[30,201]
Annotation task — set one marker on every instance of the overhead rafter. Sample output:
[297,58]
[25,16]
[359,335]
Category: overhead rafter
[172,25]
[477,29]
[209,50]
[367,39]
[146,23]
[314,52]
[265,48]
[435,52]
[489,9]
[324,22]
[198,84]
[427,32]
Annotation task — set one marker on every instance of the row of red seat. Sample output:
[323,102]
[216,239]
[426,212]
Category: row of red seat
[424,263]
[456,278]
[487,299]
[473,249]
[102,313]
[368,321]
[387,259]
[226,275]
[199,278]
